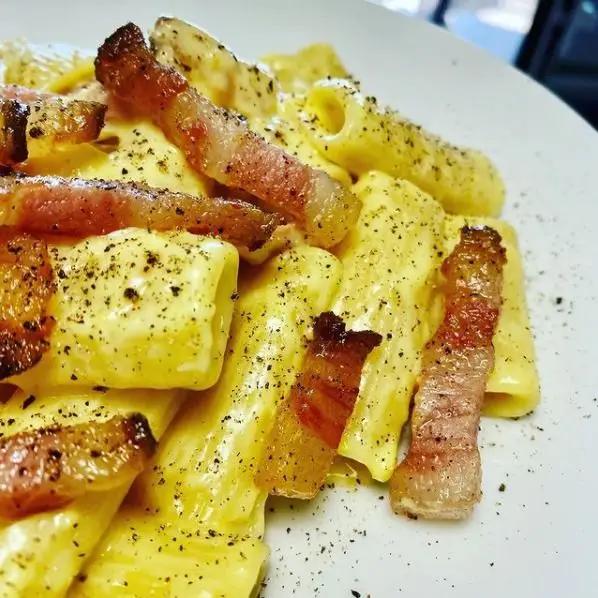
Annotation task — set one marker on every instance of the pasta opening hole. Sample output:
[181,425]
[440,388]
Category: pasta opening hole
[507,404]
[325,110]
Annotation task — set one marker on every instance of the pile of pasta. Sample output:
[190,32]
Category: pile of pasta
[225,350]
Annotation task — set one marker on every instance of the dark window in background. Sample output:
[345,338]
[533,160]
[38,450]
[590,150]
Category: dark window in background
[561,51]
[554,41]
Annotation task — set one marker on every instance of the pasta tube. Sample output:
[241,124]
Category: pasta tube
[352,131]
[133,299]
[296,73]
[513,388]
[389,262]
[213,69]
[196,514]
[40,554]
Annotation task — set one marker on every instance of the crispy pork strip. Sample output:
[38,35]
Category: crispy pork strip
[47,468]
[80,208]
[13,129]
[51,119]
[26,287]
[311,420]
[63,122]
[219,144]
[440,478]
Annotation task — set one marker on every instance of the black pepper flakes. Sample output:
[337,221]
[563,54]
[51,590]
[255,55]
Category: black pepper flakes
[36,132]
[28,401]
[131,294]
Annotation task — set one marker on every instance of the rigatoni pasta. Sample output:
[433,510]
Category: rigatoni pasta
[293,138]
[213,69]
[41,553]
[157,314]
[513,388]
[198,501]
[353,131]
[297,73]
[403,304]
[123,153]
[131,299]
[392,256]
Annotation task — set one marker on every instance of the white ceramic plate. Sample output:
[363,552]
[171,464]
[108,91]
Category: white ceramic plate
[539,536]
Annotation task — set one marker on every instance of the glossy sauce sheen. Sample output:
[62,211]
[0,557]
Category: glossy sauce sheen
[441,476]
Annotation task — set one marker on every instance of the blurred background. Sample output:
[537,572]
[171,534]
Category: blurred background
[553,41]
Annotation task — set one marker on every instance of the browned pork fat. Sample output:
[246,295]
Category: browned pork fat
[311,420]
[80,208]
[13,131]
[441,475]
[26,287]
[32,120]
[219,144]
[47,468]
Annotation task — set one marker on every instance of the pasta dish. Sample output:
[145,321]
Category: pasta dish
[220,280]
